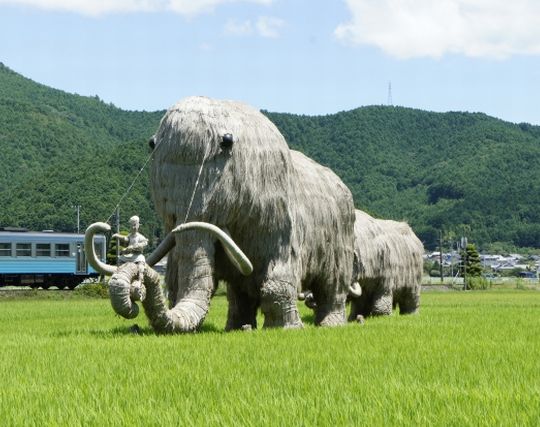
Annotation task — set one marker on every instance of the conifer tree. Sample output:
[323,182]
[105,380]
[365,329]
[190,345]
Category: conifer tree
[470,265]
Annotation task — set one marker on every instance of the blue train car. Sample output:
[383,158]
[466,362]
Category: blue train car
[45,259]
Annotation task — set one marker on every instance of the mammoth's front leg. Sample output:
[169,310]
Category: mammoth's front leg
[330,308]
[278,303]
[242,309]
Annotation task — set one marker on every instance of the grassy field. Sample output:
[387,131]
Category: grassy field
[469,358]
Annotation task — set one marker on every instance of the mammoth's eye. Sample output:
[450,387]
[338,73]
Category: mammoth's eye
[227,141]
[152,142]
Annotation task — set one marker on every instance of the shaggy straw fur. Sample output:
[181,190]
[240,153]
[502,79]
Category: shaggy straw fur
[389,267]
[292,217]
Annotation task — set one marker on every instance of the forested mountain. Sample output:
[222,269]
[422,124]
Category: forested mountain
[60,150]
[462,173]
[459,173]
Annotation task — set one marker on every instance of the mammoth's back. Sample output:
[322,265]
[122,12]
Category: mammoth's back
[387,249]
[324,221]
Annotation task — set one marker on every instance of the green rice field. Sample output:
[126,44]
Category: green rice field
[468,359]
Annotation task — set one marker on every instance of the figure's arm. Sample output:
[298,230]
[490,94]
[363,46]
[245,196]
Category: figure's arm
[138,246]
[121,239]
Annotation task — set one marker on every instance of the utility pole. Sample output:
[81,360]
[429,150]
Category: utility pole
[117,215]
[78,209]
[441,256]
[78,219]
[464,260]
[452,260]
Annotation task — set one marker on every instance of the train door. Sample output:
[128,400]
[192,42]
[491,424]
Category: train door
[81,265]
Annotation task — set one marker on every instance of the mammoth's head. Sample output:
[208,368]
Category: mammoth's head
[230,152]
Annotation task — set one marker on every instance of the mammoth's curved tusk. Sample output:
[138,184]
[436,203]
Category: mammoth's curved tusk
[164,247]
[100,267]
[235,254]
[355,290]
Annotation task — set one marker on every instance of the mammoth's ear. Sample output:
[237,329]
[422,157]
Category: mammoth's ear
[227,141]
[152,142]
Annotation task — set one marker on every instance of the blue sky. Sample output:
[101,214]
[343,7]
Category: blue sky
[299,56]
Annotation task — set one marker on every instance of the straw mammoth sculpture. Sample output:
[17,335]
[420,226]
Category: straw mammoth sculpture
[388,267]
[224,165]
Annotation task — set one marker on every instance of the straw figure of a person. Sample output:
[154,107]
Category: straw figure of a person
[136,243]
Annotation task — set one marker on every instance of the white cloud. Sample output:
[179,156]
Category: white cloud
[194,7]
[268,26]
[427,28]
[205,46]
[88,7]
[265,26]
[101,7]
[235,28]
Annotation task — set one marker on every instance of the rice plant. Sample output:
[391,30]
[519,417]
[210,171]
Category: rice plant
[469,358]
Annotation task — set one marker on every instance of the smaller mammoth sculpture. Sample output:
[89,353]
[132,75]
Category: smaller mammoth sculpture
[388,266]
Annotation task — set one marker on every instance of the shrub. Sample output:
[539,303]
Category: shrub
[476,283]
[520,283]
[93,290]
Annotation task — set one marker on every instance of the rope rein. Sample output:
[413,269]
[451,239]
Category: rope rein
[131,185]
[196,183]
[141,171]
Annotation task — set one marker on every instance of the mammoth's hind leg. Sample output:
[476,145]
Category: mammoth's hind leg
[242,309]
[409,300]
[278,304]
[360,306]
[382,303]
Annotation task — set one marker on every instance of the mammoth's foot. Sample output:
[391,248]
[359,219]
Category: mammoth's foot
[408,300]
[330,314]
[382,305]
[278,304]
[242,309]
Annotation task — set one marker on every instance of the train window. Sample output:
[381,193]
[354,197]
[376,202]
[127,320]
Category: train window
[62,249]
[23,249]
[5,249]
[43,249]
[100,249]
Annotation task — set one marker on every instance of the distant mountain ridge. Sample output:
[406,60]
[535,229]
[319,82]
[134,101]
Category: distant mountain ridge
[455,173]
[459,173]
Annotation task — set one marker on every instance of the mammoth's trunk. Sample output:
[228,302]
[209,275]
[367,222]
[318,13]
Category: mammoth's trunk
[190,283]
[189,276]
[120,290]
[193,302]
